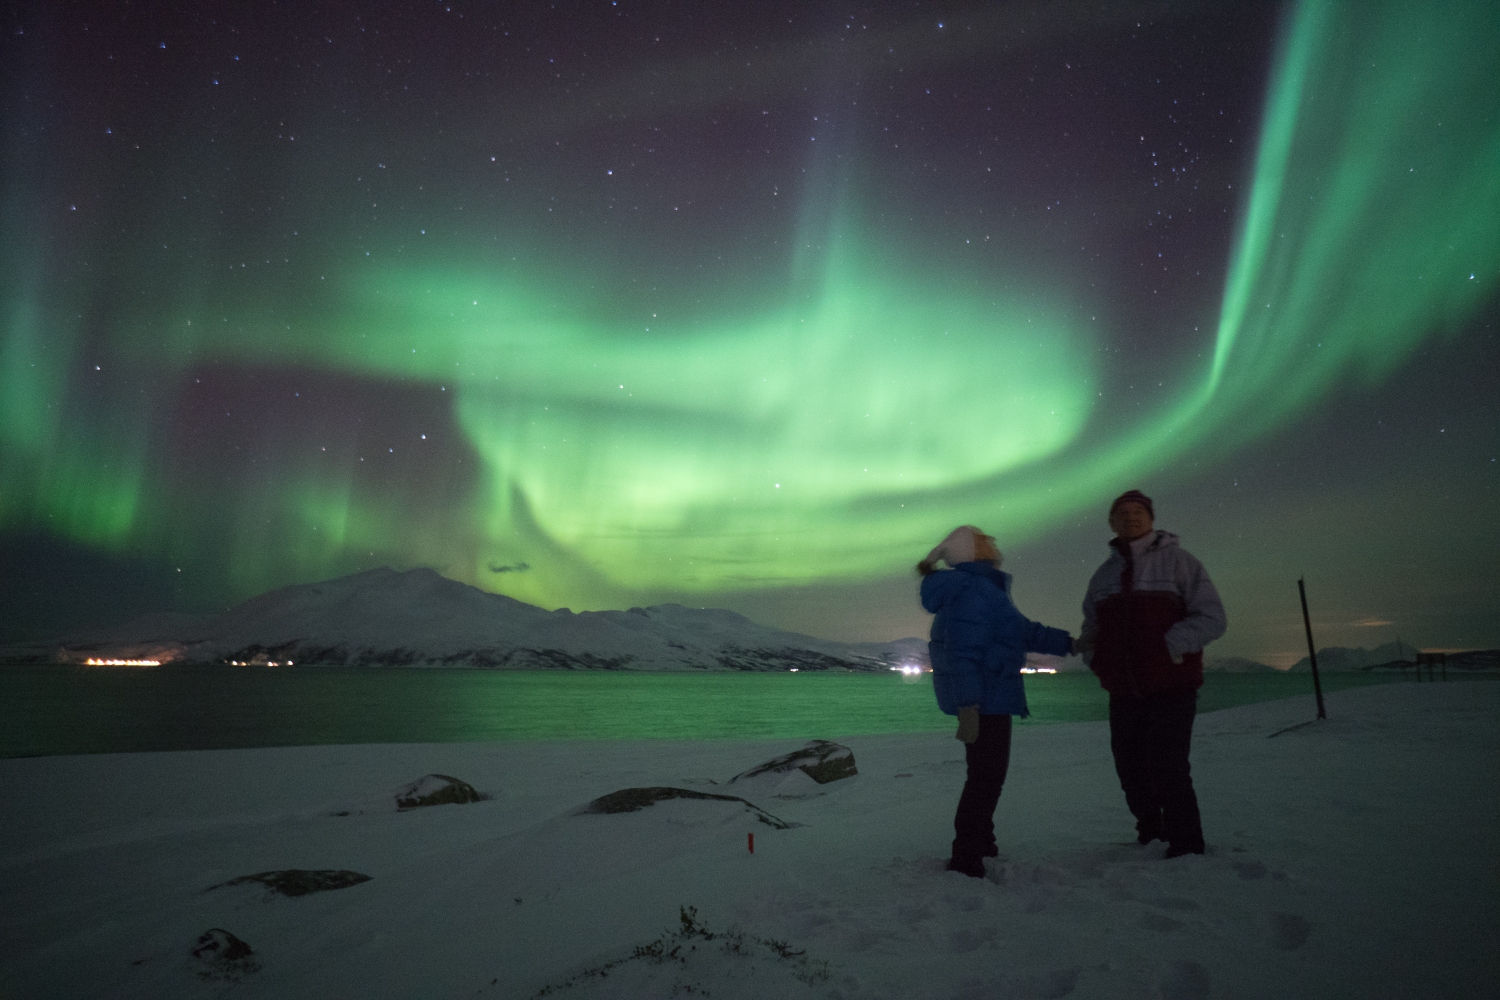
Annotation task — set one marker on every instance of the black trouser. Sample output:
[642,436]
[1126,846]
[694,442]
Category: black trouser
[1150,738]
[988,758]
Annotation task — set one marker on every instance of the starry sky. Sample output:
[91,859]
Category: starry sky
[747,305]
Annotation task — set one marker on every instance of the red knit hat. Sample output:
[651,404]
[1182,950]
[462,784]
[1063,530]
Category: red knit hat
[1134,496]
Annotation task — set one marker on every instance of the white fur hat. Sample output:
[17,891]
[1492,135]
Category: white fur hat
[959,547]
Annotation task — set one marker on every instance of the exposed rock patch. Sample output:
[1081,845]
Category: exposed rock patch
[301,882]
[821,760]
[635,799]
[435,790]
[221,955]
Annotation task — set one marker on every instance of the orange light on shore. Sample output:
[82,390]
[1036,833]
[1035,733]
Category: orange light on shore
[92,662]
[1038,670]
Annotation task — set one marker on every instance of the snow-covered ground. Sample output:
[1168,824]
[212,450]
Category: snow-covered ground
[1356,857]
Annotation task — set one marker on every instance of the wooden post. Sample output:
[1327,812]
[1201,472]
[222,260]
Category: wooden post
[1312,654]
[1432,661]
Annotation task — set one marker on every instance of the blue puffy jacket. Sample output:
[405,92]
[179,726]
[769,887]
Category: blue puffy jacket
[979,640]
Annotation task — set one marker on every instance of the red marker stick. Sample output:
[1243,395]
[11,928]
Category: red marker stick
[752,843]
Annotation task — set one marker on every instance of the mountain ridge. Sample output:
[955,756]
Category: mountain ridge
[1392,656]
[385,617]
[417,617]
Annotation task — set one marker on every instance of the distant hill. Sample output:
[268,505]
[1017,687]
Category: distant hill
[1394,656]
[1342,658]
[1475,659]
[1237,665]
[419,618]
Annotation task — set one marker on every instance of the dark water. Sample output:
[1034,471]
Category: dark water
[57,710]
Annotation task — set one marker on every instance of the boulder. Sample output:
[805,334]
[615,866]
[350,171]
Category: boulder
[820,760]
[221,955]
[435,790]
[300,882]
[635,799]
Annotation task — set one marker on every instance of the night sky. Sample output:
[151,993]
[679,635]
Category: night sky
[747,305]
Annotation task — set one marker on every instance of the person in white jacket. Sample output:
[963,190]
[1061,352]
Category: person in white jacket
[1149,611]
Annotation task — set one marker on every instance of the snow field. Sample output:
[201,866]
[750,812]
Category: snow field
[1356,857]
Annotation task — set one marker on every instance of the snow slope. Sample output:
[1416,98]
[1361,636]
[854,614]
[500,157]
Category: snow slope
[417,618]
[1357,658]
[1354,857]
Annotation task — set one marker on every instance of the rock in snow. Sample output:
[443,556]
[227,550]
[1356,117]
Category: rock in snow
[635,799]
[221,955]
[301,882]
[418,618]
[435,790]
[820,760]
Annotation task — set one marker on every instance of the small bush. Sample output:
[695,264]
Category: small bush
[676,947]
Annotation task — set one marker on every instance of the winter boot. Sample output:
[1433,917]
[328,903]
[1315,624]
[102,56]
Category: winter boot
[1178,850]
[972,867]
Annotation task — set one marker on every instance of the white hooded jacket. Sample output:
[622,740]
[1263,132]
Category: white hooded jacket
[1161,564]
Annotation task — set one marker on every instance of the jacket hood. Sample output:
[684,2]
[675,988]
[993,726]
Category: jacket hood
[989,571]
[940,587]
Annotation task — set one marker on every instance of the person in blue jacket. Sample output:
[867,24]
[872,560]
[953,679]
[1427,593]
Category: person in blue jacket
[978,645]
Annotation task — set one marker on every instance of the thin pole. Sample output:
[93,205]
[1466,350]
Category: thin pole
[1312,654]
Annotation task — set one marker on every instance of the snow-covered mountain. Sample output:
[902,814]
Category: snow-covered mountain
[1395,656]
[418,618]
[1358,658]
[1237,665]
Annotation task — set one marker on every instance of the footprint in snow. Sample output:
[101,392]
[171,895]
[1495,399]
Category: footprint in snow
[966,939]
[1174,903]
[1185,981]
[1249,869]
[1289,931]
[909,914]
[1054,985]
[1160,922]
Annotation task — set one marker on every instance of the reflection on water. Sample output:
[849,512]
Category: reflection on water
[52,710]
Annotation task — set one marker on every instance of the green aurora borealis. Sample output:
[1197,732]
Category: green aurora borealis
[576,411]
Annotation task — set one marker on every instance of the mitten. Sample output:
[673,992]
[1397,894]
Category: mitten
[968,723]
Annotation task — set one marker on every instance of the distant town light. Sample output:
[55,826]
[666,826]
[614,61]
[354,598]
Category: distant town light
[1038,670]
[909,669]
[93,662]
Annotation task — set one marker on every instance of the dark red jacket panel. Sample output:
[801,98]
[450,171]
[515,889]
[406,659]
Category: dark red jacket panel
[1130,647]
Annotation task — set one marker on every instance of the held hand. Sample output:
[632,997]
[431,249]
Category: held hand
[968,724]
